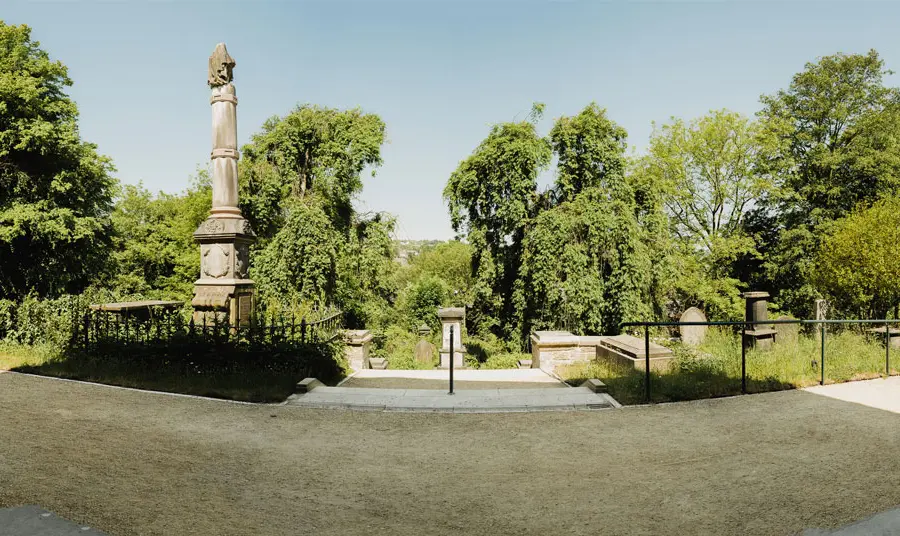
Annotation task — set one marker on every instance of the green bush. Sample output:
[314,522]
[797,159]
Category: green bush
[504,361]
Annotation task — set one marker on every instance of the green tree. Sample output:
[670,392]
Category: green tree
[585,267]
[154,251]
[298,179]
[707,175]
[856,266]
[839,128]
[312,150]
[55,189]
[491,196]
[590,149]
[451,261]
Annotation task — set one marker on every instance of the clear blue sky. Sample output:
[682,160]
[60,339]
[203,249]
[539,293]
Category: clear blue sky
[438,73]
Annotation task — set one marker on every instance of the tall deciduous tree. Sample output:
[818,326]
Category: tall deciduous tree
[310,151]
[55,189]
[585,265]
[299,178]
[707,175]
[856,266]
[491,196]
[839,128]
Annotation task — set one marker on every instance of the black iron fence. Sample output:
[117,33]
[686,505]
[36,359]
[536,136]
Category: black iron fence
[103,327]
[745,325]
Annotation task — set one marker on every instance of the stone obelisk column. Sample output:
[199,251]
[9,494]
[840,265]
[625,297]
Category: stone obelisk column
[223,290]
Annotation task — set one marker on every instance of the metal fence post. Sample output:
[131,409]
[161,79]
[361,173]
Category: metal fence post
[451,360]
[87,329]
[647,362]
[887,349]
[743,358]
[822,361]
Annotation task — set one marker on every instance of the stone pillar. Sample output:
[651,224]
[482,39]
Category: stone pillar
[224,290]
[456,317]
[358,344]
[757,310]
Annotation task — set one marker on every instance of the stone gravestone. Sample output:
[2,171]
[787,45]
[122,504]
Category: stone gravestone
[787,333]
[425,350]
[693,335]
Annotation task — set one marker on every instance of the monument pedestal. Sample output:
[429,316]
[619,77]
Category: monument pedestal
[458,358]
[224,292]
[455,317]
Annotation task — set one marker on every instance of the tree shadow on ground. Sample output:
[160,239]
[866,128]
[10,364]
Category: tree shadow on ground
[232,371]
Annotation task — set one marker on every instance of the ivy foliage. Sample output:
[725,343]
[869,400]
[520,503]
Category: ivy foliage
[492,195]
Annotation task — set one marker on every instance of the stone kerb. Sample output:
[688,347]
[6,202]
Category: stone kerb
[359,342]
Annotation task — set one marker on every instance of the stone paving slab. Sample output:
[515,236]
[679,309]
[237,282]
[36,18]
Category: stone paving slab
[35,521]
[881,393]
[471,401]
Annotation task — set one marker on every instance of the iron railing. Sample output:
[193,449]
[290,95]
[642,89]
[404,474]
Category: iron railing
[98,326]
[744,324]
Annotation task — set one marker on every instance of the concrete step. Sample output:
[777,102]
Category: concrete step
[524,363]
[378,363]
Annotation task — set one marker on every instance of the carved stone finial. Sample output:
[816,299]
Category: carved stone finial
[220,67]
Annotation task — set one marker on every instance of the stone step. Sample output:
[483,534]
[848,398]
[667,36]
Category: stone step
[378,363]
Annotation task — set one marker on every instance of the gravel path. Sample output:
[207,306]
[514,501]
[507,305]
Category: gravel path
[128,462]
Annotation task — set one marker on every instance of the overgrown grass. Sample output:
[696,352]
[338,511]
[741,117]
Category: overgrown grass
[714,368]
[236,375]
[13,355]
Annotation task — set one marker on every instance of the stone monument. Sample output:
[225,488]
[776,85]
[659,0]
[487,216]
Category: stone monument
[692,335]
[456,317]
[424,349]
[787,333]
[759,336]
[359,343]
[224,291]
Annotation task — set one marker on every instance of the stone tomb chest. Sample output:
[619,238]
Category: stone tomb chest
[629,351]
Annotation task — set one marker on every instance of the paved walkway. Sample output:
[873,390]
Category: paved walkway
[462,379]
[882,393]
[475,391]
[35,521]
[464,401]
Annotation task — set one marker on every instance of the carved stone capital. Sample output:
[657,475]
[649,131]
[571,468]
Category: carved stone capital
[225,153]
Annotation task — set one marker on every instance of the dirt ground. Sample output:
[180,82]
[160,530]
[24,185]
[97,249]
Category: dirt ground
[129,462]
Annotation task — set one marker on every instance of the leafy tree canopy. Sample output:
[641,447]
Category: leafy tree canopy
[312,150]
[55,190]
[856,266]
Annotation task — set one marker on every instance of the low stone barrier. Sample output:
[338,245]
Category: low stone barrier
[553,349]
